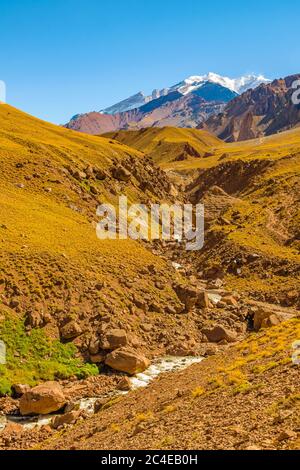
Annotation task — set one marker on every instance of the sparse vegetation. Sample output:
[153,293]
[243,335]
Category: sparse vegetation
[33,357]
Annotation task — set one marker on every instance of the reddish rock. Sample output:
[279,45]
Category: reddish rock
[127,360]
[43,399]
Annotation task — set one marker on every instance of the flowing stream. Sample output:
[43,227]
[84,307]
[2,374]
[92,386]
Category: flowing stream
[167,364]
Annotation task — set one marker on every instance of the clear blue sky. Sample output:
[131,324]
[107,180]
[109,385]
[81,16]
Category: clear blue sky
[62,57]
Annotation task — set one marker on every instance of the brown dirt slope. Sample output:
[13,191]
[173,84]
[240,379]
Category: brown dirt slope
[54,270]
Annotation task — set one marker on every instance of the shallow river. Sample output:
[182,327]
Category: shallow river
[165,364]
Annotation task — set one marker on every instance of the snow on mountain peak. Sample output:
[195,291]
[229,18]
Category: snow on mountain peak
[238,85]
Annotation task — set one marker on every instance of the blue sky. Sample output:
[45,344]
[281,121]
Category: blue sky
[62,57]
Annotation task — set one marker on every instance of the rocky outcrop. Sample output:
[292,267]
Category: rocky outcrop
[266,318]
[113,339]
[265,110]
[219,333]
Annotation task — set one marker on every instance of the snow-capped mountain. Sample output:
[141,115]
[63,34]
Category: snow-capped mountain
[238,85]
[190,85]
[133,102]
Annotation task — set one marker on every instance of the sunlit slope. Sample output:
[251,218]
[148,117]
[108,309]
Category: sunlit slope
[53,268]
[262,222]
[169,144]
[244,398]
[273,147]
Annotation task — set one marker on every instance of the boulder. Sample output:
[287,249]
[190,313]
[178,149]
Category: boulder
[124,385]
[187,295]
[230,300]
[266,318]
[71,330]
[20,389]
[114,339]
[127,360]
[121,174]
[67,418]
[79,175]
[100,174]
[219,333]
[203,300]
[43,399]
[97,358]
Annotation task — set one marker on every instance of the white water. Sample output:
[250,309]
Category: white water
[166,364]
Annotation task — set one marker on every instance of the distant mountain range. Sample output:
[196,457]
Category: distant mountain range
[258,112]
[186,104]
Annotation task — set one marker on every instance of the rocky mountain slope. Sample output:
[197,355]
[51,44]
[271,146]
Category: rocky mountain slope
[88,313]
[169,144]
[192,84]
[56,276]
[245,399]
[266,110]
[171,110]
[251,195]
[185,104]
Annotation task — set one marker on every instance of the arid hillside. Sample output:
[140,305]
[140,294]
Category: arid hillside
[246,399]
[90,314]
[56,275]
[169,144]
[251,193]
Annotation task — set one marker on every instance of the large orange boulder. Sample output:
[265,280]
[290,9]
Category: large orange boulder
[127,360]
[42,400]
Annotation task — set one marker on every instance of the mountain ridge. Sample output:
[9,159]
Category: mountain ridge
[264,111]
[186,104]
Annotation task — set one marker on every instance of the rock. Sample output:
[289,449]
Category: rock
[89,171]
[147,327]
[219,333]
[20,389]
[272,320]
[187,295]
[94,190]
[181,350]
[140,303]
[34,319]
[124,385]
[155,307]
[230,300]
[203,300]
[67,418]
[13,428]
[114,339]
[70,330]
[286,435]
[216,284]
[121,174]
[79,175]
[100,174]
[94,346]
[72,406]
[253,448]
[127,360]
[97,358]
[211,350]
[266,318]
[43,399]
